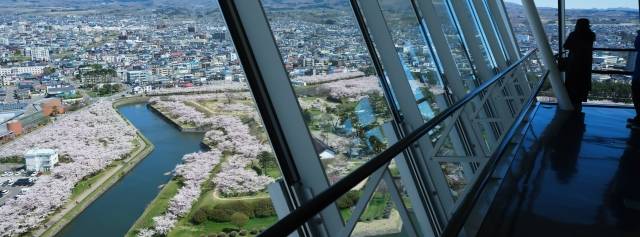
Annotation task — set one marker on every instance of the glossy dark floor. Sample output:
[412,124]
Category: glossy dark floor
[574,176]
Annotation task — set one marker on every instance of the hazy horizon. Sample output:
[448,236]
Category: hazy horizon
[585,4]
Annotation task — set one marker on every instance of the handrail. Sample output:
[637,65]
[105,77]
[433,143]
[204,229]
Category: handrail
[611,72]
[460,216]
[308,210]
[614,49]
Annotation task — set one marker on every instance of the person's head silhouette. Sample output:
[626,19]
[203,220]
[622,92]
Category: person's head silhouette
[583,24]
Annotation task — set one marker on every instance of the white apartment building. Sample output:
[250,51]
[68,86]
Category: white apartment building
[37,53]
[13,71]
[39,160]
[138,76]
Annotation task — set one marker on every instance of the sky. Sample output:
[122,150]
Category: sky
[585,3]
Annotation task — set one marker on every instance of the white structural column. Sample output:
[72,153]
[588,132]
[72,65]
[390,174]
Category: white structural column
[474,45]
[503,26]
[497,50]
[280,111]
[547,55]
[429,171]
[433,28]
[501,22]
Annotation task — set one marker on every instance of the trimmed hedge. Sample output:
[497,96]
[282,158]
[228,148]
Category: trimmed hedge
[222,212]
[348,200]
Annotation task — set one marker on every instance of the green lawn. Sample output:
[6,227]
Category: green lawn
[273,172]
[207,200]
[374,209]
[157,207]
[185,228]
[86,183]
[376,206]
[188,230]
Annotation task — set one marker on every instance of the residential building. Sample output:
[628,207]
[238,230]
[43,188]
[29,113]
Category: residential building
[13,71]
[37,53]
[61,91]
[40,160]
[138,76]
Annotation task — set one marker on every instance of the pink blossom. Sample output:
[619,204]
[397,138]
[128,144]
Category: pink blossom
[93,138]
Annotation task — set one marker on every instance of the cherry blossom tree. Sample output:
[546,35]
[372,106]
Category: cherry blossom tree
[317,79]
[93,138]
[353,88]
[194,170]
[213,87]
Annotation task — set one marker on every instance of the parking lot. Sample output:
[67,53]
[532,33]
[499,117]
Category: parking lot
[13,181]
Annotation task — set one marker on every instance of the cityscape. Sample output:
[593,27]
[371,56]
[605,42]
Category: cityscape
[141,110]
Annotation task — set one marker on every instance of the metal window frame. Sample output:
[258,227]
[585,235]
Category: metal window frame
[473,45]
[498,15]
[500,19]
[382,47]
[278,105]
[432,25]
[303,173]
[497,50]
[485,72]
[502,47]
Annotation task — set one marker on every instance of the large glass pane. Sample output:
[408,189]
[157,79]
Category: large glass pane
[124,118]
[330,69]
[456,44]
[416,56]
[615,22]
[466,12]
[548,11]
[490,23]
[520,25]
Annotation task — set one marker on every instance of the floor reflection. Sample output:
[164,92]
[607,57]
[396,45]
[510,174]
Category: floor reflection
[576,176]
[625,191]
[566,150]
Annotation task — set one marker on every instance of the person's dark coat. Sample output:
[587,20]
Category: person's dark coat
[636,72]
[578,72]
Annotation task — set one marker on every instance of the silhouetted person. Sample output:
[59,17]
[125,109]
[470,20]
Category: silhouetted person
[635,86]
[578,73]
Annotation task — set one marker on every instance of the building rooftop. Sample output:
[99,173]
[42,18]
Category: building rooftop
[39,152]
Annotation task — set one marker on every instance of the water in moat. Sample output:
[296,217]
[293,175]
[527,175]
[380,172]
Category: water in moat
[113,213]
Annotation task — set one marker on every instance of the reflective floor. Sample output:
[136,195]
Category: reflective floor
[573,176]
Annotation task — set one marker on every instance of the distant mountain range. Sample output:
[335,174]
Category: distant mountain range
[517,5]
[88,3]
[297,4]
[213,4]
